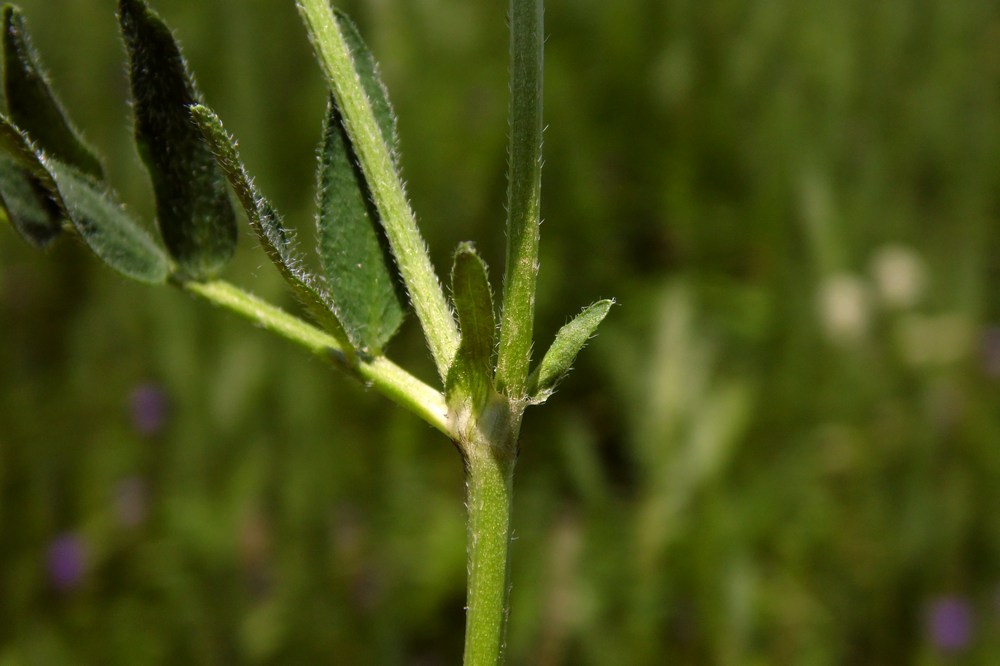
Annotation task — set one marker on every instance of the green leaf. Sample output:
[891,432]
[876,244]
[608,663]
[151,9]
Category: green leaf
[353,251]
[195,217]
[92,209]
[408,247]
[27,205]
[27,190]
[31,102]
[266,222]
[371,82]
[105,226]
[570,339]
[470,375]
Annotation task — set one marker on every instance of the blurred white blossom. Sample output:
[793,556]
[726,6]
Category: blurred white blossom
[899,275]
[844,307]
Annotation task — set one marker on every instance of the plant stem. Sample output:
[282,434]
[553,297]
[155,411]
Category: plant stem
[489,475]
[382,374]
[387,190]
[523,196]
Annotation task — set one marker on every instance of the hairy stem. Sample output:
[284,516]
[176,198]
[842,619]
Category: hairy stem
[523,196]
[387,190]
[379,372]
[489,476]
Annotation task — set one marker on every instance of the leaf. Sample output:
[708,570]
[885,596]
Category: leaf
[92,209]
[27,190]
[470,375]
[266,222]
[570,339]
[27,205]
[105,226]
[195,217]
[371,81]
[352,249]
[31,102]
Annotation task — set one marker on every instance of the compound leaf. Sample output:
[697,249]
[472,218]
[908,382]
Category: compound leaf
[31,103]
[194,214]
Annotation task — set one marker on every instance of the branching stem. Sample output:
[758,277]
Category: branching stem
[382,374]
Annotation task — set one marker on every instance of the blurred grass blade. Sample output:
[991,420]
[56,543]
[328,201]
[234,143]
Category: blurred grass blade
[471,373]
[353,251]
[195,217]
[266,222]
[27,205]
[31,102]
[570,339]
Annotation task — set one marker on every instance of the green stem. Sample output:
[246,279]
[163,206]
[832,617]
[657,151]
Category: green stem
[489,476]
[523,196]
[382,374]
[387,190]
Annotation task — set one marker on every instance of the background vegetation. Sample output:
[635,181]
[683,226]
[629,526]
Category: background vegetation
[784,447]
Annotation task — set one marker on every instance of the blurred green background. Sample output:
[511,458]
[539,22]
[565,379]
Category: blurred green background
[782,448]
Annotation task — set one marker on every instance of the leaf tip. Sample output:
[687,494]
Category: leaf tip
[569,341]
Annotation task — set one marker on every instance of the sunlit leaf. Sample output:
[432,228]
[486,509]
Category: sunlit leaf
[570,339]
[31,103]
[195,217]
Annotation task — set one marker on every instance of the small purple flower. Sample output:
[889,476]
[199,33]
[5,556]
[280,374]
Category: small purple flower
[67,561]
[130,501]
[949,623]
[148,406]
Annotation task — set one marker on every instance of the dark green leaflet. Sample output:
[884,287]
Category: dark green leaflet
[92,209]
[105,226]
[27,204]
[31,103]
[195,217]
[353,251]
